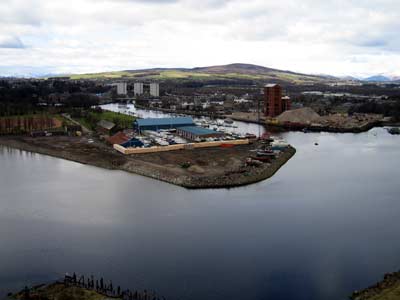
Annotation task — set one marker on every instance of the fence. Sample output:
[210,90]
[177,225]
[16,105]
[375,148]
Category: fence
[189,146]
[23,124]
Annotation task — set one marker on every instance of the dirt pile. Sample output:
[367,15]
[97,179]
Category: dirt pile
[302,115]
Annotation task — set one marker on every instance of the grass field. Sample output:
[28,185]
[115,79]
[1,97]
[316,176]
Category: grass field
[122,120]
[60,292]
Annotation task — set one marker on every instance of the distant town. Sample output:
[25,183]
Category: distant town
[199,119]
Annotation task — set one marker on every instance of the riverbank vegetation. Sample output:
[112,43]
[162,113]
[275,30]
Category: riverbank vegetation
[60,292]
[24,97]
[90,117]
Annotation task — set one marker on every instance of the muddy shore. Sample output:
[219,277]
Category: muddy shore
[193,169]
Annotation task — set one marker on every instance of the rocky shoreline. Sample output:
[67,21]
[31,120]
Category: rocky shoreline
[388,289]
[233,174]
[326,128]
[241,177]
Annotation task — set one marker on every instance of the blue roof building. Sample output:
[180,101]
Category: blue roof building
[162,123]
[132,143]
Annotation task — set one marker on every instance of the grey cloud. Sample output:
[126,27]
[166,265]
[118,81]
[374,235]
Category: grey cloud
[374,43]
[11,42]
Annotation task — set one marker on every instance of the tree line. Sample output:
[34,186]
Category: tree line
[25,96]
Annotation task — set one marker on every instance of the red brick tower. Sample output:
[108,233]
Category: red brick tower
[274,103]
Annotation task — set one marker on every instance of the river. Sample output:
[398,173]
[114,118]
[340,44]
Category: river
[239,127]
[326,224]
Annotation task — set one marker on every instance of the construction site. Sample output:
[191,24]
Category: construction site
[308,119]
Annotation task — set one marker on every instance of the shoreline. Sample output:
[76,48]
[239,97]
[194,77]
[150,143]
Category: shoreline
[280,127]
[181,112]
[388,288]
[328,128]
[145,165]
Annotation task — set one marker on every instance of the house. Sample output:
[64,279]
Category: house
[105,127]
[118,138]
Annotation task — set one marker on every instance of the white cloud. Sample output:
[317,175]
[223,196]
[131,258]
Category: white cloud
[337,37]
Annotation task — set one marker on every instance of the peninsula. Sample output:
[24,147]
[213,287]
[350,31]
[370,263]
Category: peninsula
[215,167]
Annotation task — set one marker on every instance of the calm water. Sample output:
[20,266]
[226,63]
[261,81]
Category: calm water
[325,224]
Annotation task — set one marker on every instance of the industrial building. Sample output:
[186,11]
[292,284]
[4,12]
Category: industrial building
[138,88]
[162,123]
[194,132]
[274,103]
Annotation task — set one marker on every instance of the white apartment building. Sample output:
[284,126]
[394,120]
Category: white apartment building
[138,88]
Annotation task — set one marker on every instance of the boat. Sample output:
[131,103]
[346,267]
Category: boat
[394,130]
[161,142]
[220,123]
[262,158]
[250,136]
[261,153]
[278,144]
[228,121]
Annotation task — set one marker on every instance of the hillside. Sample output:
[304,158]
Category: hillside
[378,78]
[223,72]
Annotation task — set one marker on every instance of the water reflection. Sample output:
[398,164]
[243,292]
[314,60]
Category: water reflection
[324,225]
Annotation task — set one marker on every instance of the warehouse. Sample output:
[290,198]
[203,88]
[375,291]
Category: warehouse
[193,133]
[162,123]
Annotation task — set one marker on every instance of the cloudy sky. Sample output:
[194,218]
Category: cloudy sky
[338,37]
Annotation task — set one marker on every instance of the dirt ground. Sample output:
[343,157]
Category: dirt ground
[211,161]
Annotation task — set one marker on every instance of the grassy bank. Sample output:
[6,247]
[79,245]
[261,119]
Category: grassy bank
[91,118]
[60,292]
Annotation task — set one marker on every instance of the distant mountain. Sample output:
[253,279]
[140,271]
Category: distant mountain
[237,71]
[240,69]
[378,78]
[350,78]
[396,78]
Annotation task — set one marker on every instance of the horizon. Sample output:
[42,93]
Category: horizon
[334,38]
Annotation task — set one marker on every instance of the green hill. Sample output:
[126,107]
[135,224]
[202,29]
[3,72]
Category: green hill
[223,72]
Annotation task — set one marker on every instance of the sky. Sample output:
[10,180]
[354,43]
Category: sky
[336,37]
